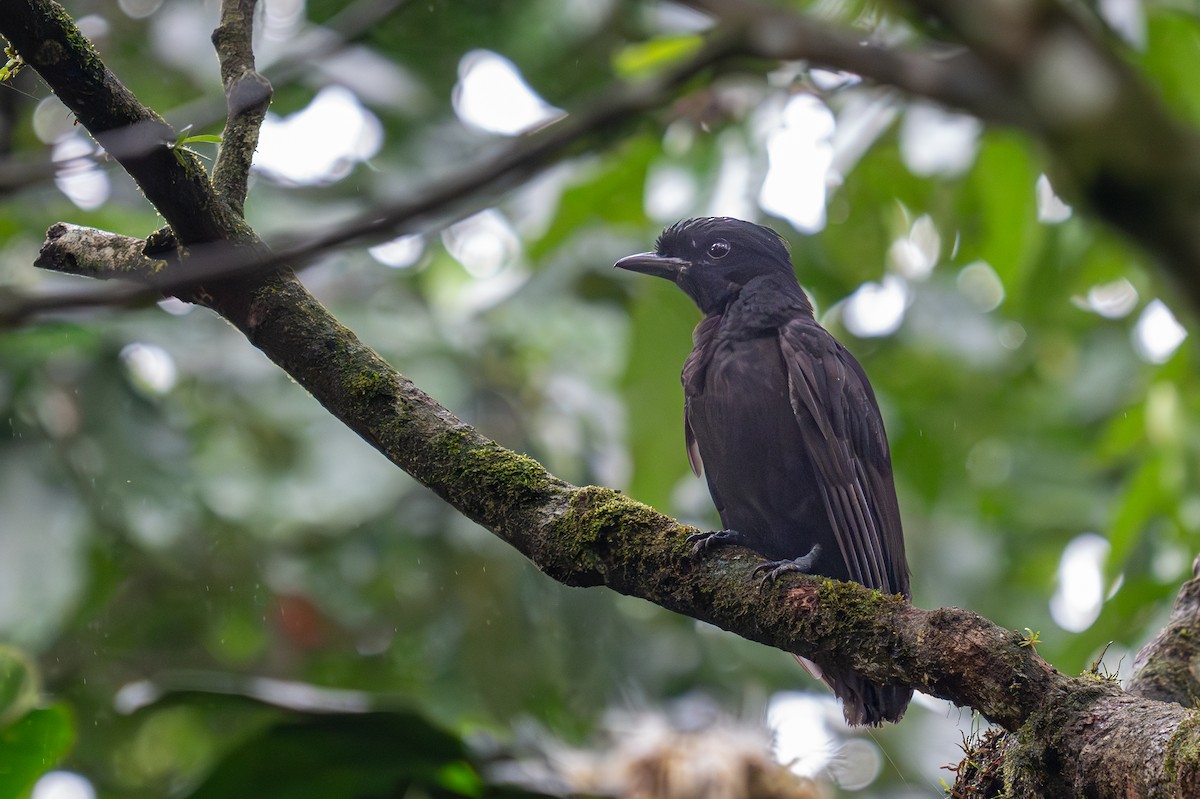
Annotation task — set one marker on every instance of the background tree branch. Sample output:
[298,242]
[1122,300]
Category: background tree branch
[452,197]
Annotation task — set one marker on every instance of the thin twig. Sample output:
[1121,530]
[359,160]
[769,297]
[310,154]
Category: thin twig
[247,95]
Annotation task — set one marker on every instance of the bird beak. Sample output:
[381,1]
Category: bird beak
[649,263]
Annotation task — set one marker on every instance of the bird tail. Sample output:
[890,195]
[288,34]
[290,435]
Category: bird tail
[863,702]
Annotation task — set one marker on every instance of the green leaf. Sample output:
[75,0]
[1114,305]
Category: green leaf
[336,756]
[209,138]
[12,66]
[460,777]
[645,58]
[1169,59]
[32,746]
[1142,498]
[1002,209]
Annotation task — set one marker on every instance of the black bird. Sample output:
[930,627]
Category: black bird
[785,426]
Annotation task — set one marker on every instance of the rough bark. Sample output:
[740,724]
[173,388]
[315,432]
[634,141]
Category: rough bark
[1073,736]
[1168,668]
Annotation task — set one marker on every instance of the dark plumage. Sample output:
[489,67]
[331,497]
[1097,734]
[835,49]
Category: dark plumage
[785,426]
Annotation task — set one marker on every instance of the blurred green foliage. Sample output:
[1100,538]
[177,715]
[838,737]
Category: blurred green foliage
[218,519]
[32,744]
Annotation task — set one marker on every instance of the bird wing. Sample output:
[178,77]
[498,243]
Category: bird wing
[843,434]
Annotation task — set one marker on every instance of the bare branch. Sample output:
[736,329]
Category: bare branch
[85,251]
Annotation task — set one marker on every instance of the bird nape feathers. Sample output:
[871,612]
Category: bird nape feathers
[785,427]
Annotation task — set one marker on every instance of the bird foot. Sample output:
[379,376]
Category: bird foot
[702,542]
[773,570]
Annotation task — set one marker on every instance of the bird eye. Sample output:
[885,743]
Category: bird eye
[719,248]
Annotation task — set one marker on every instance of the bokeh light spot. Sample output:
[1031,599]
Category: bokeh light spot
[934,141]
[1051,208]
[62,785]
[139,9]
[484,243]
[981,285]
[803,741]
[1157,334]
[399,253]
[492,95]
[1076,603]
[151,368]
[799,153]
[914,256]
[876,309]
[1111,300]
[320,143]
[78,176]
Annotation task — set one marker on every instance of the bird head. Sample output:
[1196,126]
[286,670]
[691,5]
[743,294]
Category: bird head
[713,258]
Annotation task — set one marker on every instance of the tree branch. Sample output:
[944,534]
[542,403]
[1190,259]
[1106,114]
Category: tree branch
[1168,668]
[247,95]
[171,178]
[87,252]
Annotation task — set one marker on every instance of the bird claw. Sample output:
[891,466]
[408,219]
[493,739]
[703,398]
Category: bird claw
[775,569]
[702,542]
